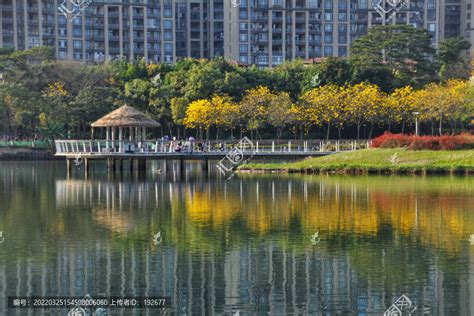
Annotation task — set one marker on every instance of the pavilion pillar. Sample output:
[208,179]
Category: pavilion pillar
[113,138]
[120,140]
[130,134]
[144,133]
[107,137]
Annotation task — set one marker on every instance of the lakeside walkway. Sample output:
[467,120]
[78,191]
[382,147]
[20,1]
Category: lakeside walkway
[112,151]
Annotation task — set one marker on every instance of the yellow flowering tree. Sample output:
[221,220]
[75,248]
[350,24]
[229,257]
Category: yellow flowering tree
[363,103]
[399,106]
[278,111]
[199,116]
[225,113]
[253,107]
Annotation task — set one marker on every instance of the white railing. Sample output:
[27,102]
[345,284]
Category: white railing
[167,147]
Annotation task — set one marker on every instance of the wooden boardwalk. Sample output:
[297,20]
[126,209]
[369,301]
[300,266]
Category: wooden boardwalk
[115,152]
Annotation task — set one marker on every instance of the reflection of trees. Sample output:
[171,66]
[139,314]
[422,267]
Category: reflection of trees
[438,218]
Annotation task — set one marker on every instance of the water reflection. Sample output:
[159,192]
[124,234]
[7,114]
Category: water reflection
[243,244]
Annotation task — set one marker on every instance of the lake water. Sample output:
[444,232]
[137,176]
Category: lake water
[256,244]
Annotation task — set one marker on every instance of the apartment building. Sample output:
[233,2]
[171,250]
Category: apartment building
[262,32]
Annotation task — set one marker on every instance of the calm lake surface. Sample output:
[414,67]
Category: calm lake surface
[256,244]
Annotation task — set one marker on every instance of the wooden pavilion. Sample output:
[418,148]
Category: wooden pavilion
[129,123]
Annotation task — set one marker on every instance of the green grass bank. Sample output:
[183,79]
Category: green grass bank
[397,160]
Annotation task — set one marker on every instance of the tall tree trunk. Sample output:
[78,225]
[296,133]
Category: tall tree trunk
[432,128]
[358,131]
[328,131]
[259,137]
[403,126]
[440,125]
[371,129]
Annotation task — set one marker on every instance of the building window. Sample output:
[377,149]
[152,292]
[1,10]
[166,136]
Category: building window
[342,16]
[328,16]
[362,4]
[77,32]
[327,51]
[328,38]
[168,47]
[328,27]
[328,4]
[262,60]
[77,44]
[342,51]
[342,5]
[243,37]
[168,24]
[244,59]
[244,48]
[168,36]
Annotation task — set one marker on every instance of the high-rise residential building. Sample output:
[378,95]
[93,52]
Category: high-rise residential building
[262,32]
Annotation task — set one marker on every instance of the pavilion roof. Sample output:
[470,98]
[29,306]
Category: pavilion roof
[125,116]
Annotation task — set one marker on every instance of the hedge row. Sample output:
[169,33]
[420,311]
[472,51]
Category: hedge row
[444,142]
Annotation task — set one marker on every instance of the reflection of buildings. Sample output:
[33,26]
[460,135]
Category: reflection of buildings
[267,278]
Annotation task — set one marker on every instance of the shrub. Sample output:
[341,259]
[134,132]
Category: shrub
[444,142]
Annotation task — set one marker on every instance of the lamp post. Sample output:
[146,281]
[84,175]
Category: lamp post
[416,122]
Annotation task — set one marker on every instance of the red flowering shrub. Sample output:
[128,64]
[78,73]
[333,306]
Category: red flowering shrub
[444,142]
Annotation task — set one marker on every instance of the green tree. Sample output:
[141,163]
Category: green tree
[401,51]
[454,59]
[330,70]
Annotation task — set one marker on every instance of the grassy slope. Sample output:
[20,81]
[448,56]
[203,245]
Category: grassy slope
[373,160]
